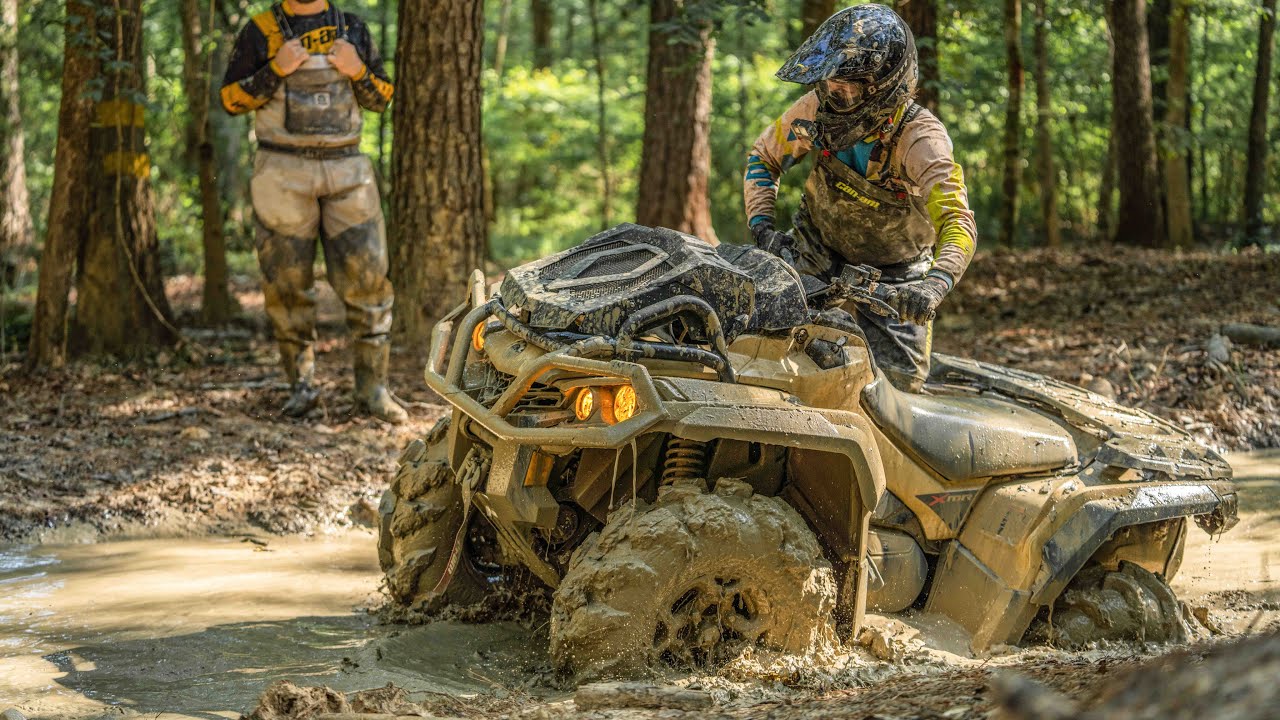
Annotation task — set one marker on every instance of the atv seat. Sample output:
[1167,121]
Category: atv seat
[969,438]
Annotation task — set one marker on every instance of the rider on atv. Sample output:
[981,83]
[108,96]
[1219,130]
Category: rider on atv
[884,190]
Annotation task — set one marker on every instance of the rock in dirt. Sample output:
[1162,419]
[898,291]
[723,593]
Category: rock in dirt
[12,714]
[889,640]
[195,434]
[363,513]
[618,695]
[286,701]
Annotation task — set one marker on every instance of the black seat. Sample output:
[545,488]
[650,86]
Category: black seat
[969,438]
[779,295]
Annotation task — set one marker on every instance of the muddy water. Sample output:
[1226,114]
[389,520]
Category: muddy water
[197,628]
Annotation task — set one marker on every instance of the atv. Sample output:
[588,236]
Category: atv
[692,446]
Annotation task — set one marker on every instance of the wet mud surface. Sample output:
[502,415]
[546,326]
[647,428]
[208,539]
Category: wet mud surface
[202,627]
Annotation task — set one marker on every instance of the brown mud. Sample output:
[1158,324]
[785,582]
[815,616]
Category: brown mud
[202,627]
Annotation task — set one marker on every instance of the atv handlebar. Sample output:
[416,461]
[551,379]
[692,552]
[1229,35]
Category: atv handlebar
[859,284]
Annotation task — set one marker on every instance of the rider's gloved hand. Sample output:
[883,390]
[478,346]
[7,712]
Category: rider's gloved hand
[917,301]
[769,240]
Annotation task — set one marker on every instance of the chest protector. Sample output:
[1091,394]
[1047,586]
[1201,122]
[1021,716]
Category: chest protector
[875,220]
[316,105]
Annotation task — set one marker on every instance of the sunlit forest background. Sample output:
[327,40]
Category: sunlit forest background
[540,129]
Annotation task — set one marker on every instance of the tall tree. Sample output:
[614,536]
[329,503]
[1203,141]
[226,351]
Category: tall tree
[1255,176]
[1141,216]
[1177,178]
[121,307]
[922,17]
[602,118]
[1044,142]
[540,10]
[813,12]
[436,158]
[504,34]
[15,204]
[68,203]
[676,160]
[216,305]
[1012,181]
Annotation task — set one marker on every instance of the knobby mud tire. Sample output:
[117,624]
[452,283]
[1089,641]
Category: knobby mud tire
[1127,604]
[419,519]
[691,580]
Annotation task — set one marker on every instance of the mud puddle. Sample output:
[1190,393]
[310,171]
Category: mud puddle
[200,627]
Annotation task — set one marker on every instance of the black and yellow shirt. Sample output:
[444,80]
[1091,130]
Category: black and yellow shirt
[252,76]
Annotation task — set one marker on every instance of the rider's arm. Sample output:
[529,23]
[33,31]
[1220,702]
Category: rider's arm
[251,78]
[372,87]
[928,164]
[775,151]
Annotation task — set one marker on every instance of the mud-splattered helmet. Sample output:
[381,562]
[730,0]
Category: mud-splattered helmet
[867,47]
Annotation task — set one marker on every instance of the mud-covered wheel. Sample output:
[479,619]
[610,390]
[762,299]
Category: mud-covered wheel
[689,581]
[1131,603]
[420,516]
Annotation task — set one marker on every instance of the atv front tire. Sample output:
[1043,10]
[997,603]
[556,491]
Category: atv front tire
[1131,603]
[691,580]
[420,516]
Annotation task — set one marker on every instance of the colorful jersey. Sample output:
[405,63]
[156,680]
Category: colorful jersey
[919,163]
[253,78]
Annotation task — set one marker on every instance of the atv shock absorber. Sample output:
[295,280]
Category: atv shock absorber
[685,459]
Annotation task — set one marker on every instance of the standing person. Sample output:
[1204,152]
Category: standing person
[884,189]
[306,69]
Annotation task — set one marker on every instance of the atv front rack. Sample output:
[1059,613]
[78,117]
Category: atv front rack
[444,375]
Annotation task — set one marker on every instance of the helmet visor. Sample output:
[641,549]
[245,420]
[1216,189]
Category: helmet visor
[842,96]
[846,46]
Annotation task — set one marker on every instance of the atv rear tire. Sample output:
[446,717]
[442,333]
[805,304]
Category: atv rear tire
[420,516]
[1131,603]
[691,580]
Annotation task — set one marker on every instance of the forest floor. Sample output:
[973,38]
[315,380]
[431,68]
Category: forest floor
[192,445]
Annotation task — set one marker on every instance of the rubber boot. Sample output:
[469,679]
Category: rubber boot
[299,367]
[371,391]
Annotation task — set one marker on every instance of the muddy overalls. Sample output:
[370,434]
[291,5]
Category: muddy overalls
[875,220]
[310,179]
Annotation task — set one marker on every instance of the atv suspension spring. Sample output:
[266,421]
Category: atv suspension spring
[686,459]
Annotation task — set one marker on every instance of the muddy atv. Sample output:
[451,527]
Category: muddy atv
[693,447]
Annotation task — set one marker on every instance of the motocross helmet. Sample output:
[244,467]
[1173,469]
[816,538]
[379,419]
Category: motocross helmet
[867,48]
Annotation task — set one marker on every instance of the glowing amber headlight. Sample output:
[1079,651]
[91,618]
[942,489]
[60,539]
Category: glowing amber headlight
[477,338]
[585,404]
[624,403]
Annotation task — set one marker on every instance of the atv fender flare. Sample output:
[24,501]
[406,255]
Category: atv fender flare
[1067,551]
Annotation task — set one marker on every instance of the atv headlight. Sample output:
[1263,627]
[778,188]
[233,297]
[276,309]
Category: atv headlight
[585,404]
[624,403]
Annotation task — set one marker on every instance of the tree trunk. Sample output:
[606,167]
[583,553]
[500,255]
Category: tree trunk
[602,127]
[542,17]
[1141,217]
[1107,183]
[1044,143]
[121,307]
[68,202]
[216,305]
[436,158]
[1159,18]
[15,204]
[1012,122]
[1255,182]
[676,160]
[500,46]
[1177,179]
[813,12]
[922,18]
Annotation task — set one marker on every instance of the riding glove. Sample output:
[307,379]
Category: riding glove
[917,301]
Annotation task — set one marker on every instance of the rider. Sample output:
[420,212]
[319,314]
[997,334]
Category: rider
[884,189]
[306,70]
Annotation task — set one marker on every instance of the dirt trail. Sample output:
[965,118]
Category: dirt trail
[201,627]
